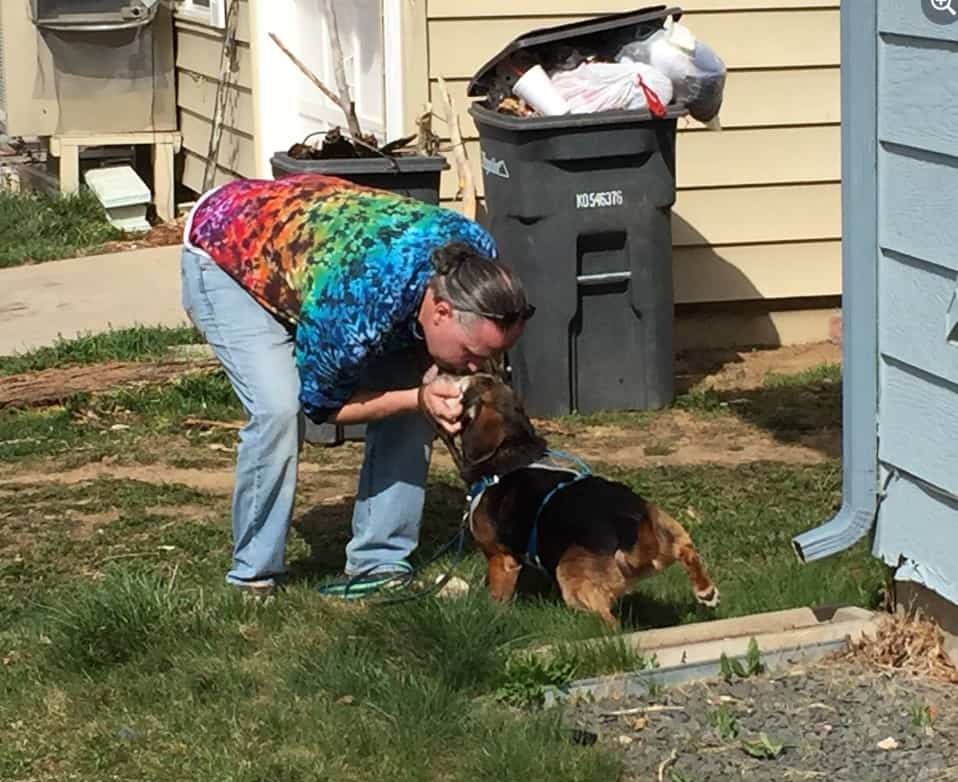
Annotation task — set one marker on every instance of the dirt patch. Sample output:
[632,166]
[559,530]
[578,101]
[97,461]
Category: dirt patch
[86,525]
[316,481]
[160,235]
[747,369]
[679,437]
[52,386]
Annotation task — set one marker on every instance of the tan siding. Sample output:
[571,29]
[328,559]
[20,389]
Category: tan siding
[198,56]
[757,271]
[757,213]
[741,215]
[236,149]
[197,94]
[200,53]
[756,39]
[733,328]
[194,167]
[446,9]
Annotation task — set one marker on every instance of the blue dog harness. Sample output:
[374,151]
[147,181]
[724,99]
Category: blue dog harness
[579,471]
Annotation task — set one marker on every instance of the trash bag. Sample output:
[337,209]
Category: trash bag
[697,73]
[610,86]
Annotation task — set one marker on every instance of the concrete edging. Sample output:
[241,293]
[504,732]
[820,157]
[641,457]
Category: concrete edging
[692,653]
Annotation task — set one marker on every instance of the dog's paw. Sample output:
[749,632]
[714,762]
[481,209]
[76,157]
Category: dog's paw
[710,597]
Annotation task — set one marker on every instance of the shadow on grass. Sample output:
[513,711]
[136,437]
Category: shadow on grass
[795,414]
[326,529]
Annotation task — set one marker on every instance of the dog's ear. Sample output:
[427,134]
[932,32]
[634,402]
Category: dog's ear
[486,433]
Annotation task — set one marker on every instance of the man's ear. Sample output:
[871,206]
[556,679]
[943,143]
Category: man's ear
[441,310]
[486,433]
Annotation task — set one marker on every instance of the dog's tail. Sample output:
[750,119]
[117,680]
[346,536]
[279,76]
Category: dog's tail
[676,542]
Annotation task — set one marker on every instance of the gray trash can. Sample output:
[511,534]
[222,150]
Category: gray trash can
[413,176]
[580,206]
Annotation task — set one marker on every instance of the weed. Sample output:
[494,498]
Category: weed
[654,688]
[527,677]
[725,722]
[731,666]
[763,747]
[921,715]
[701,400]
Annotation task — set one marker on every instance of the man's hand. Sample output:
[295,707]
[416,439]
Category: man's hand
[441,400]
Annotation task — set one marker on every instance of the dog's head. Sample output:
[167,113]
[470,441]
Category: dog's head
[497,435]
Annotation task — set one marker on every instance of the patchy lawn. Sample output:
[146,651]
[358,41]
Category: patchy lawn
[124,655]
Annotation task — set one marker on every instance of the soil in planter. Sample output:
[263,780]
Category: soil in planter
[337,146]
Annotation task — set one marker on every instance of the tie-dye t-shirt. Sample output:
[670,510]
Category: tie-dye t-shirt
[343,265]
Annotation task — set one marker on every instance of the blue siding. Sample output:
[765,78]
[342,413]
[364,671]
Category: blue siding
[918,235]
[918,432]
[915,297]
[921,557]
[917,204]
[918,104]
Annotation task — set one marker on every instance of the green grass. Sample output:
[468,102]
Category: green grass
[123,422]
[823,374]
[139,343]
[126,657]
[37,227]
[123,655]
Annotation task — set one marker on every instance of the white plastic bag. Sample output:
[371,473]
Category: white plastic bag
[610,86]
[696,72]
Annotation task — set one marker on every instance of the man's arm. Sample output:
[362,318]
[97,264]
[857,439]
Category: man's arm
[366,406]
[440,398]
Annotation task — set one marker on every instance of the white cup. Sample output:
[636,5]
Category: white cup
[536,88]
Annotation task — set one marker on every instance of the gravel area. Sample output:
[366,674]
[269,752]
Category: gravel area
[834,721]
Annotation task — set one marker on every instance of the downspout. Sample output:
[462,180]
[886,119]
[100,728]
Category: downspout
[860,257]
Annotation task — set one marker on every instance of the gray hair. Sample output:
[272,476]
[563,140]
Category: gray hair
[478,287]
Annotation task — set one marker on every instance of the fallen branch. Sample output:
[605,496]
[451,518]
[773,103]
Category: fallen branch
[346,102]
[210,424]
[642,710]
[467,185]
[346,108]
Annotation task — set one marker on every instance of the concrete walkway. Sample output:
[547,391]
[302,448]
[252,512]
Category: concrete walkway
[89,295]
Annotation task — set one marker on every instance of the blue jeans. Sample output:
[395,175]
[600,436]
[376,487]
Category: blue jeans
[256,351]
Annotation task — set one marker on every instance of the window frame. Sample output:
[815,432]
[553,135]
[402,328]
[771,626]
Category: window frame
[211,13]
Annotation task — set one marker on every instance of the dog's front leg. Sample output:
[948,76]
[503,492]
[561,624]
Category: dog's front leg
[503,575]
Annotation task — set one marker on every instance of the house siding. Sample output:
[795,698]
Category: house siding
[757,214]
[198,50]
[918,357]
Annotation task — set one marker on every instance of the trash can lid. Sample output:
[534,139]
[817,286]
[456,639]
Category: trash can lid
[568,33]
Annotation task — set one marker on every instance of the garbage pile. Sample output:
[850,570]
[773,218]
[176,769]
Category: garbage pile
[668,67]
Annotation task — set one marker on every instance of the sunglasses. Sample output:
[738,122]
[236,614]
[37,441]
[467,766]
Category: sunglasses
[505,319]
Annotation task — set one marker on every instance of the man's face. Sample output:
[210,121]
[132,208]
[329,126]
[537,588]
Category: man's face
[459,347]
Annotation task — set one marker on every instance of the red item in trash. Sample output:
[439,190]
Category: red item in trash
[652,100]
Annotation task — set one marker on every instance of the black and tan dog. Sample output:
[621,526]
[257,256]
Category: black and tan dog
[594,536]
